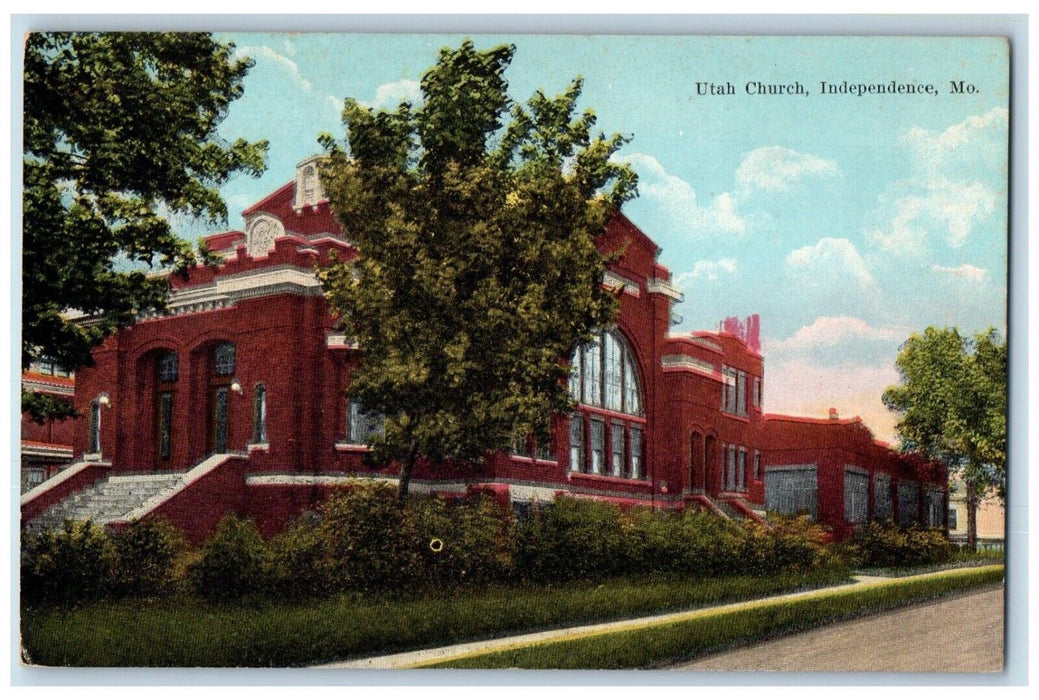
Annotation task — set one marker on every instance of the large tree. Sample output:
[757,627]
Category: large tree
[952,402]
[477,221]
[120,132]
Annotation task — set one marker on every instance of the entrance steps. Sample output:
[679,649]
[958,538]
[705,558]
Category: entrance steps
[109,499]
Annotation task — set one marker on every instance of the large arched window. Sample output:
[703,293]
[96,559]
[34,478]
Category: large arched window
[606,433]
[603,375]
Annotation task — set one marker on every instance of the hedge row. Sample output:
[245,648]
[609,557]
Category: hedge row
[361,541]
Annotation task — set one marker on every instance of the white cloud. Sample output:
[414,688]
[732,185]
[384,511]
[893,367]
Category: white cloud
[964,271]
[390,95]
[957,181]
[707,269]
[678,198]
[833,331]
[946,208]
[777,169]
[830,260]
[931,149]
[278,59]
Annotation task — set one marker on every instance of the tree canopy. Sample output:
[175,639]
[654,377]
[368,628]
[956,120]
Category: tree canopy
[477,220]
[952,400]
[120,132]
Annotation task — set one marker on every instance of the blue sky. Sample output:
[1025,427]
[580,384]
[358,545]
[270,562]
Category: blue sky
[845,222]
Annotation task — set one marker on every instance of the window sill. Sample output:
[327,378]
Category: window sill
[533,461]
[351,447]
[738,416]
[257,446]
[606,479]
[92,457]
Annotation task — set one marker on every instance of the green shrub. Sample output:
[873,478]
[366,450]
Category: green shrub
[145,555]
[465,542]
[883,544]
[299,565]
[233,561]
[370,544]
[572,539]
[76,563]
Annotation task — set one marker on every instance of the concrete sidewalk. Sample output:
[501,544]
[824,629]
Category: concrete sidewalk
[425,657]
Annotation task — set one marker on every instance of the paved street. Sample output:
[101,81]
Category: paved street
[961,634]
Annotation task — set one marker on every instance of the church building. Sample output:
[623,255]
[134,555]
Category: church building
[236,399]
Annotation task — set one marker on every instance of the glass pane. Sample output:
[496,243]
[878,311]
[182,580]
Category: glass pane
[882,497]
[632,392]
[168,368]
[576,442]
[791,491]
[575,376]
[592,373]
[856,496]
[165,424]
[908,496]
[598,446]
[95,427]
[260,414]
[617,449]
[220,421]
[224,360]
[612,367]
[636,453]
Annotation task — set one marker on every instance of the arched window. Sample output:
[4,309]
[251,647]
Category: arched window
[603,375]
[606,433]
[260,415]
[168,374]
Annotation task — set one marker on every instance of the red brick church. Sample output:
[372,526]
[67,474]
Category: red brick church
[235,398]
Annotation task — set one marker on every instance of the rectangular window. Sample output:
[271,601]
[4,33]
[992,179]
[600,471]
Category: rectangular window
[363,427]
[576,442]
[741,393]
[635,456]
[757,466]
[935,508]
[757,392]
[908,503]
[598,446]
[165,425]
[94,429]
[792,490]
[543,452]
[856,496]
[742,469]
[952,518]
[617,449]
[881,497]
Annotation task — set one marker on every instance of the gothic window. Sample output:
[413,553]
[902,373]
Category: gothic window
[604,371]
[260,414]
[224,360]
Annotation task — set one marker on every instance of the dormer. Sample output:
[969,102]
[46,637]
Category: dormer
[309,192]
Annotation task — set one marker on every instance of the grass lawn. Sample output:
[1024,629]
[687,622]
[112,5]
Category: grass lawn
[182,631]
[698,634]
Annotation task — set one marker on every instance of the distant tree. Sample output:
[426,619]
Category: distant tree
[952,402]
[479,271]
[120,131]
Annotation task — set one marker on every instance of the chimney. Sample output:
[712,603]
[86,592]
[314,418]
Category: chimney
[833,414]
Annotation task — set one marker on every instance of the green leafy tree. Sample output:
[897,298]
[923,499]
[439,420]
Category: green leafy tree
[952,402]
[477,221]
[120,132]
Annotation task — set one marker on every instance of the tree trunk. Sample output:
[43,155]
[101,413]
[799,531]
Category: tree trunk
[405,475]
[972,515]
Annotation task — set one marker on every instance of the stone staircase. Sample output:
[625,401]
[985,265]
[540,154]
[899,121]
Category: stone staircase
[106,500]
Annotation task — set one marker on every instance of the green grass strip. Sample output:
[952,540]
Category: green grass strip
[698,633]
[182,631]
